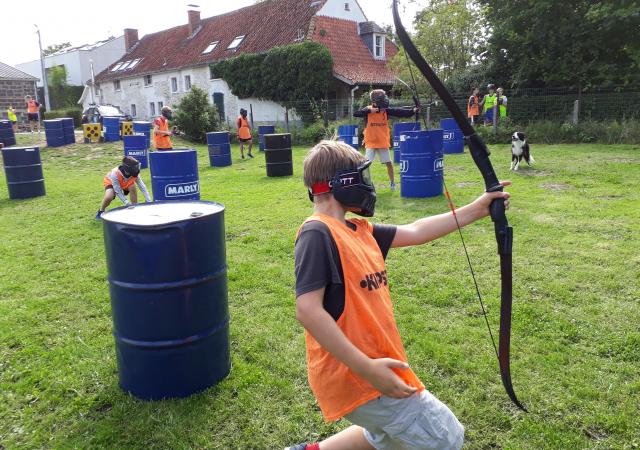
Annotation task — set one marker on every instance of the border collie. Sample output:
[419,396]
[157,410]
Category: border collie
[520,150]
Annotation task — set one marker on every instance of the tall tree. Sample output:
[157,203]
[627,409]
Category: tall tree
[537,43]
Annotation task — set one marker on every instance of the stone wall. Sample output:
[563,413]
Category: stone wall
[12,92]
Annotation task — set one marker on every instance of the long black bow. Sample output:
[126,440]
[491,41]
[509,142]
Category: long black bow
[504,233]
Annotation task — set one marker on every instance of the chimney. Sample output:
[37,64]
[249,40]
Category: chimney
[194,21]
[130,38]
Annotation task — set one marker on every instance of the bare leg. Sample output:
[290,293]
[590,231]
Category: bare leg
[109,195]
[133,194]
[390,171]
[242,149]
[250,146]
[350,439]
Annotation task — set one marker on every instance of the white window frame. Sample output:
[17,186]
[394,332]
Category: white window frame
[187,83]
[211,47]
[117,86]
[346,6]
[160,106]
[174,85]
[134,63]
[152,109]
[117,67]
[236,42]
[144,80]
[377,47]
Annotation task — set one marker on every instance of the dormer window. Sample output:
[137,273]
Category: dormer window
[346,7]
[236,42]
[210,47]
[378,46]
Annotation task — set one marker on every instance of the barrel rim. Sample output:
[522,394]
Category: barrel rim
[106,218]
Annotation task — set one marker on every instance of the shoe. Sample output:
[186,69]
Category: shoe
[250,155]
[99,215]
[392,186]
[242,156]
[297,447]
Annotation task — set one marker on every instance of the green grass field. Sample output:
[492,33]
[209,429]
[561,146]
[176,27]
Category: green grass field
[575,338]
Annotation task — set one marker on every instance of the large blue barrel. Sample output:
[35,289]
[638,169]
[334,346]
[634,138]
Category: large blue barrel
[174,174]
[219,149]
[136,145]
[168,285]
[68,128]
[398,129]
[278,155]
[23,170]
[421,164]
[452,137]
[111,127]
[142,127]
[54,132]
[7,136]
[262,130]
[349,135]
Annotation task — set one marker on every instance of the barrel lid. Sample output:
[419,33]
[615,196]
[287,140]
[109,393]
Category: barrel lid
[161,213]
[26,149]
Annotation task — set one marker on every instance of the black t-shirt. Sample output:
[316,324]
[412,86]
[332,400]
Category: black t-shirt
[318,262]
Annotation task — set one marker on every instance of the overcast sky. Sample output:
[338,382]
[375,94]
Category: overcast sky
[83,22]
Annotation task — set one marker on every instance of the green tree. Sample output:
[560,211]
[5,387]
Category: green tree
[536,43]
[61,94]
[195,116]
[50,50]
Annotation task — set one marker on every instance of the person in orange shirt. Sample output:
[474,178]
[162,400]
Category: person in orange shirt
[357,365]
[122,181]
[377,136]
[244,133]
[33,113]
[161,132]
[473,106]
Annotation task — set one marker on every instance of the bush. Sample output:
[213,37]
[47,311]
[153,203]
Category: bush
[195,116]
[311,134]
[74,113]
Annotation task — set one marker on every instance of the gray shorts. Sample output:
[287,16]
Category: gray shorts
[383,154]
[420,421]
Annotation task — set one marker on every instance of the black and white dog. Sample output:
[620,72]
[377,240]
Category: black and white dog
[520,150]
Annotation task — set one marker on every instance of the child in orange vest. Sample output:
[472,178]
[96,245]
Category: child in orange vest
[377,136]
[357,365]
[122,181]
[473,106]
[161,133]
[244,133]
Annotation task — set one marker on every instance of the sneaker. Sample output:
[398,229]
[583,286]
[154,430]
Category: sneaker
[392,186]
[99,215]
[250,155]
[297,447]
[242,156]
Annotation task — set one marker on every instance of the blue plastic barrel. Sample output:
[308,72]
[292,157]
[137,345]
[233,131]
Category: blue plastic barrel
[54,132]
[111,127]
[168,284]
[421,164]
[398,129]
[349,135]
[262,130]
[135,145]
[68,128]
[23,170]
[219,149]
[7,136]
[142,127]
[174,174]
[452,138]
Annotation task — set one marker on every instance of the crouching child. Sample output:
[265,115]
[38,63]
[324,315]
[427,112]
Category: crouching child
[122,181]
[357,365]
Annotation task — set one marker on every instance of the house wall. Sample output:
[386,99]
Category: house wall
[12,92]
[336,8]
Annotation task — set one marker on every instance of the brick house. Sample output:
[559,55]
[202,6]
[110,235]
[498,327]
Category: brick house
[161,67]
[14,85]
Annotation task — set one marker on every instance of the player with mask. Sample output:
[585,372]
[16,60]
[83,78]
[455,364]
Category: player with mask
[161,132]
[122,181]
[244,133]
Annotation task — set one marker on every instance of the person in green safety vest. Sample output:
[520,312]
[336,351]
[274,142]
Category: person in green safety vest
[502,102]
[487,103]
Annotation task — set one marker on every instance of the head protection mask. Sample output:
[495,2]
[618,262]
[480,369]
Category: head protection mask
[243,112]
[351,188]
[130,168]
[167,113]
[381,101]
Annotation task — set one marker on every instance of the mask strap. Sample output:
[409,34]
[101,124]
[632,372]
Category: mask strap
[320,188]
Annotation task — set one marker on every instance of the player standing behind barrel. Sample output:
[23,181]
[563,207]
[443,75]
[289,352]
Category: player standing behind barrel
[122,181]
[376,132]
[244,133]
[161,131]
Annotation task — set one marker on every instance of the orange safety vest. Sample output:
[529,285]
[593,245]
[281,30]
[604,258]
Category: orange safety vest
[124,184]
[367,321]
[161,140]
[377,134]
[32,107]
[244,131]
[473,107]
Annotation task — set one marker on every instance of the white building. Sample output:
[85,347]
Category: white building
[77,60]
[160,68]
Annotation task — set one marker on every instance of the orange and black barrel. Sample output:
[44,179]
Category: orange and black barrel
[168,284]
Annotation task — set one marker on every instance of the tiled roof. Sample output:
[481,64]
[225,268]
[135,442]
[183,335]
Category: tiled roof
[370,27]
[11,73]
[352,60]
[267,24]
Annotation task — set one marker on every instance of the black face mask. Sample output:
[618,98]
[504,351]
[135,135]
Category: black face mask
[243,113]
[352,188]
[130,170]
[381,101]
[167,115]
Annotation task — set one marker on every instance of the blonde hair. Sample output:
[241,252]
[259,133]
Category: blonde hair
[327,158]
[375,92]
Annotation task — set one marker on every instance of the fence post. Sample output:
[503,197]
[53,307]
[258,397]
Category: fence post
[428,115]
[576,112]
[251,115]
[286,118]
[496,111]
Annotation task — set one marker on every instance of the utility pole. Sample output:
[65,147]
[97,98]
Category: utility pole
[44,73]
[93,84]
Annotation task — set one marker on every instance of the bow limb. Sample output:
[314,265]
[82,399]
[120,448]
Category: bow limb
[503,232]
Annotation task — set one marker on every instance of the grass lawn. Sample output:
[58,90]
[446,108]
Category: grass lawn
[575,338]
